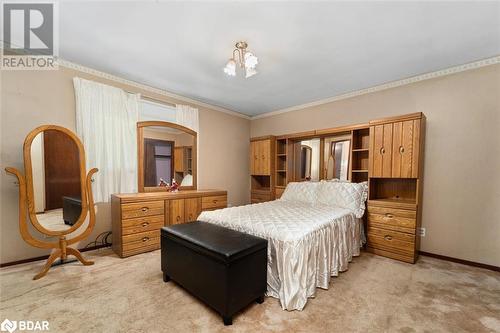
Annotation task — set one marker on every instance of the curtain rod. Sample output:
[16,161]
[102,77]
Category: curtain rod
[151,99]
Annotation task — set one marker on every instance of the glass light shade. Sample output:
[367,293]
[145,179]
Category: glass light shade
[230,68]
[251,60]
[250,72]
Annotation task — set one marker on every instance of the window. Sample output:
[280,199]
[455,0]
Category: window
[153,111]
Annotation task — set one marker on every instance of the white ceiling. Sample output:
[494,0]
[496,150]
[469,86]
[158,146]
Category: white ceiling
[307,51]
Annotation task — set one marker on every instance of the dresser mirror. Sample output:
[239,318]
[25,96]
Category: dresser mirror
[55,190]
[166,152]
[336,157]
[309,165]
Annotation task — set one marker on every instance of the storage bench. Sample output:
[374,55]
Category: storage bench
[226,269]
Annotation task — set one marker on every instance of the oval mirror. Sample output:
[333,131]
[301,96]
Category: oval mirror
[166,153]
[55,176]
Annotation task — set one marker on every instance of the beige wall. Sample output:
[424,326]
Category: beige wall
[461,204]
[33,98]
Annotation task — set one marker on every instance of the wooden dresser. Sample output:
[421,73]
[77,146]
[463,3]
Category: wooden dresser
[137,218]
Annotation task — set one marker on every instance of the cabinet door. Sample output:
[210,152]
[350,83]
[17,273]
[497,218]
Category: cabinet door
[265,157]
[177,211]
[377,143]
[387,151]
[192,209]
[381,150]
[179,159]
[253,157]
[405,149]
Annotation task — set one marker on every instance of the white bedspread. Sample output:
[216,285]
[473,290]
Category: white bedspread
[307,244]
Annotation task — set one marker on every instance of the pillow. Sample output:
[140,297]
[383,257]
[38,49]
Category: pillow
[351,196]
[301,192]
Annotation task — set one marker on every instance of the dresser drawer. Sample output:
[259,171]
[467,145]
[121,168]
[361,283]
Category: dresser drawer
[391,218]
[142,224]
[149,240]
[214,201]
[141,209]
[390,240]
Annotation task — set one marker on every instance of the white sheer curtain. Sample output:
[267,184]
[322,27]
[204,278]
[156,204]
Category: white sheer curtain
[187,116]
[106,119]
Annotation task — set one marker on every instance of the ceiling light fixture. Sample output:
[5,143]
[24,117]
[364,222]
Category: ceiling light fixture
[244,58]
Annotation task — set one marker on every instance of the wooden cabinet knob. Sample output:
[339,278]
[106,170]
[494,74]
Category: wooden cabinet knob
[382,150]
[388,237]
[178,218]
[145,239]
[401,149]
[389,215]
[144,209]
[145,224]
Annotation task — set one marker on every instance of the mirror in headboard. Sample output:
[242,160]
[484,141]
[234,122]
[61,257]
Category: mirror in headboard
[336,157]
[309,160]
[166,151]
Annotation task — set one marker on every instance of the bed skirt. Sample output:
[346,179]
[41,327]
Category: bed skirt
[296,268]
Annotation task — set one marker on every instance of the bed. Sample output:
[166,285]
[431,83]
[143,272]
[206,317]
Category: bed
[313,232]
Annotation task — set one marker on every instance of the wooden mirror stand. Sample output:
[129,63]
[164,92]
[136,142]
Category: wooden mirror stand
[60,248]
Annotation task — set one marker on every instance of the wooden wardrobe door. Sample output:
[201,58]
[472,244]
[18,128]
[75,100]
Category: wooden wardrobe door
[177,211]
[416,148]
[192,209]
[265,154]
[396,154]
[253,157]
[377,143]
[405,149]
[387,151]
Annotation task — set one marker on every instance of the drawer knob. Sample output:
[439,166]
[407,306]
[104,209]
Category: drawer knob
[145,224]
[145,239]
[382,150]
[401,149]
[389,215]
[214,201]
[144,209]
[388,237]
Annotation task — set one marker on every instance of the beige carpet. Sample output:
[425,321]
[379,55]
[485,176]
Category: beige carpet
[375,295]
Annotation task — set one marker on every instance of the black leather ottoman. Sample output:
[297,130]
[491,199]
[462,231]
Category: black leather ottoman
[72,208]
[226,269]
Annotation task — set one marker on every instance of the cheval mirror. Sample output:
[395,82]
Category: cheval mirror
[166,152]
[56,192]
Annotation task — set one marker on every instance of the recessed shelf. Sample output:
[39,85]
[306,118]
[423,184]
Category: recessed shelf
[359,170]
[359,150]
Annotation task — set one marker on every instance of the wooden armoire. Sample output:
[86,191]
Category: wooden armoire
[395,186]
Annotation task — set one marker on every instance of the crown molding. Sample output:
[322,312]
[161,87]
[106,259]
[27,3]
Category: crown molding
[111,77]
[385,86]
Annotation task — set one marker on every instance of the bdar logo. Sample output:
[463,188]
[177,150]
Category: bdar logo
[8,325]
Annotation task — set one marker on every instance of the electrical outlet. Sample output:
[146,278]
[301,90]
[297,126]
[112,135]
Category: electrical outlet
[421,232]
